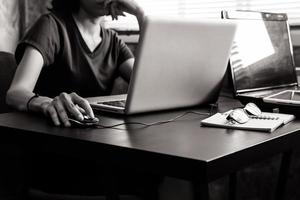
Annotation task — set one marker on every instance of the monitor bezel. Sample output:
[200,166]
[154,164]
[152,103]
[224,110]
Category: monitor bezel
[265,16]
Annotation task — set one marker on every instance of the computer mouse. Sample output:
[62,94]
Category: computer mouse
[86,122]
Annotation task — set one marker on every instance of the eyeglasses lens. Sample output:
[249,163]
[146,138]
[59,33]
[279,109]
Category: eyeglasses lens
[238,115]
[252,109]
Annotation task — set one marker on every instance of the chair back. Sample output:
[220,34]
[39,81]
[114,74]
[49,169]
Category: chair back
[8,67]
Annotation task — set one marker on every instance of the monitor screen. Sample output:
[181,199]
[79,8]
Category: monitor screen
[261,55]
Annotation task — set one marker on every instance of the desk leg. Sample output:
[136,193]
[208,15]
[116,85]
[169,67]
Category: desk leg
[232,186]
[283,175]
[111,189]
[26,161]
[201,190]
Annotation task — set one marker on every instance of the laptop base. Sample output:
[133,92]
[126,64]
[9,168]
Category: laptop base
[270,107]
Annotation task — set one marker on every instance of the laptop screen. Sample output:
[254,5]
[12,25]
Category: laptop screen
[261,55]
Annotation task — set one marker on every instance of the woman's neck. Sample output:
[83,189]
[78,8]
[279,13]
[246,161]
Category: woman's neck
[88,23]
[89,28]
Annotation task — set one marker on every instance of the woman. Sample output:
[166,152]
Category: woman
[67,56]
[63,58]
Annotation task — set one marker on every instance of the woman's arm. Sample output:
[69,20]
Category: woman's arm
[20,93]
[131,7]
[25,78]
[126,69]
[117,7]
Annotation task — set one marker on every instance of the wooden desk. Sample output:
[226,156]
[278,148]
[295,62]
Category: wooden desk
[181,149]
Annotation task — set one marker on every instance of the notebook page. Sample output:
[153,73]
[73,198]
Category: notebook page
[258,124]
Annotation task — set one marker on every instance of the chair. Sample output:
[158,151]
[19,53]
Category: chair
[9,152]
[7,69]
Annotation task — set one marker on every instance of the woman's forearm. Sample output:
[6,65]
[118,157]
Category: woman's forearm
[18,99]
[140,17]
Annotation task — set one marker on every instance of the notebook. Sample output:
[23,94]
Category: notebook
[261,59]
[267,122]
[180,62]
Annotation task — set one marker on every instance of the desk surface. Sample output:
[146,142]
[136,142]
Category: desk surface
[179,148]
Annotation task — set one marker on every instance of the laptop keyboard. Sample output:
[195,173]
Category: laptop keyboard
[119,103]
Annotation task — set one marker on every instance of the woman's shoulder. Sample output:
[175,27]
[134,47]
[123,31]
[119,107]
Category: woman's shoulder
[46,20]
[52,18]
[44,24]
[110,32]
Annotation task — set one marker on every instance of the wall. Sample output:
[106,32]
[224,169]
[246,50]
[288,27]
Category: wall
[33,9]
[16,16]
[9,20]
[296,42]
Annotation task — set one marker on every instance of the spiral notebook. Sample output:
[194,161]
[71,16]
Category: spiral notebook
[267,122]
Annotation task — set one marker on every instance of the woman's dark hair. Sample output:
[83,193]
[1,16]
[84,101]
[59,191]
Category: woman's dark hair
[65,5]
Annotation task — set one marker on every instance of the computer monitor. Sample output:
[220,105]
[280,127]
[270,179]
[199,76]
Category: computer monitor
[261,55]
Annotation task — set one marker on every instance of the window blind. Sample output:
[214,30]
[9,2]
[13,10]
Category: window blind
[206,9]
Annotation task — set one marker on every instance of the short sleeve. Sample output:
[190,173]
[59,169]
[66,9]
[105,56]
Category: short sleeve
[44,37]
[124,51]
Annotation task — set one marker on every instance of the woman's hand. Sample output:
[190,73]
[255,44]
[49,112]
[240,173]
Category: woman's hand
[65,105]
[118,7]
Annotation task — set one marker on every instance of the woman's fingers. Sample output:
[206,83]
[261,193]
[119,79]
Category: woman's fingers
[70,106]
[113,11]
[50,110]
[81,110]
[83,103]
[120,13]
[61,111]
[117,8]
[128,6]
[67,104]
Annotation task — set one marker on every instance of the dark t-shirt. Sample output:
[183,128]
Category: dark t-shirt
[69,65]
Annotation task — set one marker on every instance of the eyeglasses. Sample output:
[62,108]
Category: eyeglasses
[243,115]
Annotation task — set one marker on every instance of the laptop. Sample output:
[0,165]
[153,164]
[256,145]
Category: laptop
[261,59]
[179,62]
[286,97]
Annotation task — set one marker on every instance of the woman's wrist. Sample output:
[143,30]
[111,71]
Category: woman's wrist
[38,103]
[29,101]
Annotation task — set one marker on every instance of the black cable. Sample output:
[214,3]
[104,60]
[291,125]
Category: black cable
[153,123]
